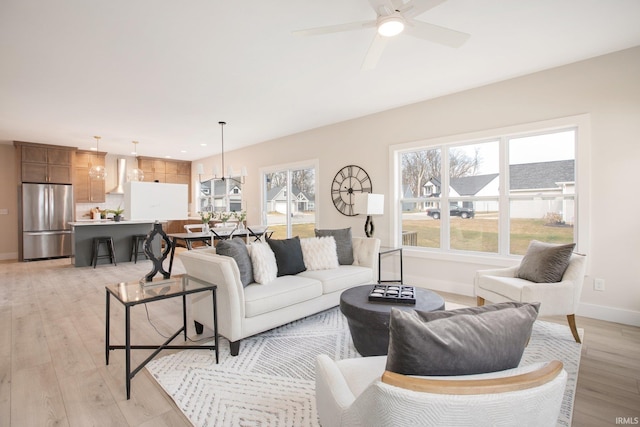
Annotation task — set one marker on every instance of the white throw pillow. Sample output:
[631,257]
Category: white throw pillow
[263,261]
[319,253]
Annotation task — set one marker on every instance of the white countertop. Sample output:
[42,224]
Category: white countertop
[82,222]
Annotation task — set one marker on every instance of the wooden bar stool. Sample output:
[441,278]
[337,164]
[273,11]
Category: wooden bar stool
[136,239]
[111,250]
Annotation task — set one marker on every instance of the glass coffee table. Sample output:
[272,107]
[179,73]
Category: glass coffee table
[134,293]
[369,321]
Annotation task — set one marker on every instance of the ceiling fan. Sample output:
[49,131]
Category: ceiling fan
[395,17]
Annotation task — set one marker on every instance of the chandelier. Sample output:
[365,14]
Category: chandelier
[97,171]
[218,174]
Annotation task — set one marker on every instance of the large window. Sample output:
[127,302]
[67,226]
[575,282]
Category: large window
[289,201]
[490,195]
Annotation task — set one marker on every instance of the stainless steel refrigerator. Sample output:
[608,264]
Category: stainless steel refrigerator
[47,210]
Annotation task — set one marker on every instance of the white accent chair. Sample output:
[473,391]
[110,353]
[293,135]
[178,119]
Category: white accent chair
[562,298]
[359,392]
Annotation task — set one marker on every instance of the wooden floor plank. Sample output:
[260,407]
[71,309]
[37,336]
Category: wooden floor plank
[50,310]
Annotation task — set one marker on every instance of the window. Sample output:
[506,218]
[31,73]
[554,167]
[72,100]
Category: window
[501,192]
[289,201]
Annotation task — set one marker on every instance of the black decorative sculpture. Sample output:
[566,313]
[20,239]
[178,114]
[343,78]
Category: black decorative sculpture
[157,261]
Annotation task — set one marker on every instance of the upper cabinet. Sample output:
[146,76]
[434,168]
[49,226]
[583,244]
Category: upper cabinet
[85,189]
[45,163]
[167,171]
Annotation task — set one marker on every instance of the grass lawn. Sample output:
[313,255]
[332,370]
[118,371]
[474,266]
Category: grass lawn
[477,234]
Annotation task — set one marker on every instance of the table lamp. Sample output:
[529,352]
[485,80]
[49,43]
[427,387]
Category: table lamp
[369,204]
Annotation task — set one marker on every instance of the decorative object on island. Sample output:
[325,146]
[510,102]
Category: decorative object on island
[136,174]
[117,213]
[349,181]
[217,174]
[97,171]
[369,204]
[157,261]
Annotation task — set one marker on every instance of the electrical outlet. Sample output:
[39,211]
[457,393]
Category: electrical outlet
[4,211]
[598,284]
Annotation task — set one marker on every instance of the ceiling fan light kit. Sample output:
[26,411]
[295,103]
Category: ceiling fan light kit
[389,26]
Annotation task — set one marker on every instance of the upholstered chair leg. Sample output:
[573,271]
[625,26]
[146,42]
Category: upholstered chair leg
[479,301]
[574,330]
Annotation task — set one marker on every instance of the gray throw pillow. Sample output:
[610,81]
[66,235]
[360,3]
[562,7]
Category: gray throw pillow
[288,254]
[344,245]
[237,249]
[428,316]
[462,344]
[545,262]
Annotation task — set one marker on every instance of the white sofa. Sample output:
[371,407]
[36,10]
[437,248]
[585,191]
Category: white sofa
[246,311]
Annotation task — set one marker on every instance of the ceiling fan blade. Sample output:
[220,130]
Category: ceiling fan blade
[383,7]
[375,52]
[416,7]
[336,28]
[436,34]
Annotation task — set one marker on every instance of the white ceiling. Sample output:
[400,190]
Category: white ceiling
[165,72]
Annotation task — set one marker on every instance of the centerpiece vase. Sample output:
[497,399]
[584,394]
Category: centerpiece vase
[205,227]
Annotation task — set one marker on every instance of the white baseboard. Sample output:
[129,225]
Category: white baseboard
[610,314]
[8,256]
[600,312]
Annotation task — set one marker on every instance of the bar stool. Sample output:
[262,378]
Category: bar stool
[108,241]
[136,239]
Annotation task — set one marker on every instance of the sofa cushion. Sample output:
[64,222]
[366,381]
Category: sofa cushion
[344,246]
[545,262]
[281,292]
[288,255]
[236,248]
[462,344]
[263,260]
[338,279]
[319,253]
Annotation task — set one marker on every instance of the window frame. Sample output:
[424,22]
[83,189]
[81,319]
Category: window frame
[288,168]
[581,124]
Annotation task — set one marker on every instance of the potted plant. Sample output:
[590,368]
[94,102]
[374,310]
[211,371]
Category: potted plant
[117,213]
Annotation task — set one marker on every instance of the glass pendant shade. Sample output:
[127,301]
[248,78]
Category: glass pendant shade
[136,174]
[97,171]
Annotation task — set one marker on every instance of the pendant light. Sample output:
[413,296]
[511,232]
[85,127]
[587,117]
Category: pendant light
[220,174]
[96,171]
[136,174]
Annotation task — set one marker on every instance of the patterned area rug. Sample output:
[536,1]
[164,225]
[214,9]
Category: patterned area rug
[271,382]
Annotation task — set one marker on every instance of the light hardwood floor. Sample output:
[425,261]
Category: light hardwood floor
[52,362]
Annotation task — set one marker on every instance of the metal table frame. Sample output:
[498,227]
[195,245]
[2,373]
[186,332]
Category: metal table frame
[157,296]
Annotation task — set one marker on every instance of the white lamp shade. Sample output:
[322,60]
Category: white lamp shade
[369,204]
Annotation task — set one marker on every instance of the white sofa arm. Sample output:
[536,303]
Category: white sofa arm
[333,395]
[222,271]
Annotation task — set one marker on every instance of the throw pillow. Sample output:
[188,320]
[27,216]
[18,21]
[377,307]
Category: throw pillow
[237,249]
[343,243]
[288,255]
[545,262]
[462,344]
[319,253]
[428,316]
[263,260]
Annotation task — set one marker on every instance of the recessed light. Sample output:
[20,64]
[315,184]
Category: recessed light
[203,145]
[167,157]
[183,151]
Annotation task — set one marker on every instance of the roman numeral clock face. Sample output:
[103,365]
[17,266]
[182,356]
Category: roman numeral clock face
[349,181]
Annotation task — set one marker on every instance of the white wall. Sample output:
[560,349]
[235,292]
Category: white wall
[607,87]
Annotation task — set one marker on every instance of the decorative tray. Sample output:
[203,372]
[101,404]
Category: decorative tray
[396,294]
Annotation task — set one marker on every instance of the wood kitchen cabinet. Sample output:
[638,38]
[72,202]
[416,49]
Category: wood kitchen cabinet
[166,171]
[43,163]
[85,189]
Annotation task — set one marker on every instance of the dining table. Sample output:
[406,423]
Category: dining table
[215,233]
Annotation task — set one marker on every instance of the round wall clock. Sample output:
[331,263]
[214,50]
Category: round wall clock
[348,181]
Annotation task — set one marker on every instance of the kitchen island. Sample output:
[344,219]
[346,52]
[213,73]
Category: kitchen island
[121,232]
